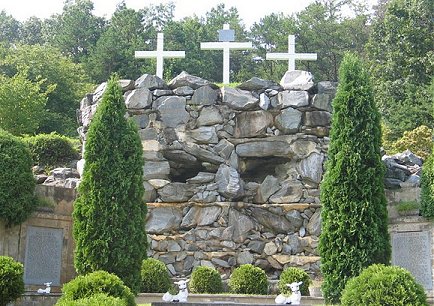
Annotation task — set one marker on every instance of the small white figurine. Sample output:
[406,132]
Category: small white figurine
[182,294]
[47,290]
[294,298]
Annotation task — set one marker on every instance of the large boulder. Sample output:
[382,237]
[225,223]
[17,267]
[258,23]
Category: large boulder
[239,99]
[163,219]
[311,168]
[263,148]
[297,80]
[176,192]
[252,124]
[209,116]
[293,98]
[229,182]
[185,79]
[150,82]
[172,110]
[288,121]
[139,98]
[205,95]
[257,84]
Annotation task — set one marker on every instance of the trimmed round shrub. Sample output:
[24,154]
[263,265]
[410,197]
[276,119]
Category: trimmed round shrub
[95,300]
[11,280]
[383,285]
[52,150]
[85,286]
[291,275]
[205,280]
[155,277]
[17,184]
[248,279]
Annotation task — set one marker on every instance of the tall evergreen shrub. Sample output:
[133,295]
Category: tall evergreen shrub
[17,184]
[354,217]
[109,213]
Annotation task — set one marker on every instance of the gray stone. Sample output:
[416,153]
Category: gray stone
[311,168]
[408,158]
[205,95]
[295,218]
[162,92]
[314,225]
[297,80]
[220,262]
[176,192]
[252,124]
[87,114]
[263,149]
[205,197]
[139,98]
[264,101]
[293,246]
[290,192]
[99,91]
[173,246]
[163,219]
[150,193]
[64,173]
[229,182]
[209,116]
[150,82]
[270,248]
[245,257]
[318,118]
[327,87]
[288,121]
[201,216]
[322,102]
[256,246]
[239,99]
[412,251]
[224,148]
[202,178]
[269,186]
[203,154]
[185,79]
[179,156]
[183,91]
[239,227]
[412,181]
[158,183]
[257,84]
[293,98]
[270,221]
[172,110]
[302,148]
[126,85]
[43,258]
[204,135]
[156,170]
[391,183]
[142,120]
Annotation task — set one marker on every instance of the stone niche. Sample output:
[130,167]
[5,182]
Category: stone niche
[231,174]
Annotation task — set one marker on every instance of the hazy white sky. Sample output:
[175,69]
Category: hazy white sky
[250,11]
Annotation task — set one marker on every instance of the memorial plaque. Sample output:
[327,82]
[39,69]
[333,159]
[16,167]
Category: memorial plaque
[412,251]
[43,259]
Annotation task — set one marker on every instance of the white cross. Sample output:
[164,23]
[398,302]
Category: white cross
[291,56]
[160,54]
[226,46]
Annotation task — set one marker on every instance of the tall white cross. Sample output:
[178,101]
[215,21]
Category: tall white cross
[226,46]
[160,54]
[291,56]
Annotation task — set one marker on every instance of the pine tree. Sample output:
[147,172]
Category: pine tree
[354,216]
[109,213]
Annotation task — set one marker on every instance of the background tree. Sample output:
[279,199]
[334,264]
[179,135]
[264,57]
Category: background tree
[22,104]
[109,213]
[9,28]
[401,54]
[17,184]
[64,83]
[354,217]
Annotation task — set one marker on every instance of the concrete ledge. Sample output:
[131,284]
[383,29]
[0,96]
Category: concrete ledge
[212,304]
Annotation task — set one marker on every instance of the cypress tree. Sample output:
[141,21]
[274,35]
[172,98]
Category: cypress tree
[109,213]
[354,216]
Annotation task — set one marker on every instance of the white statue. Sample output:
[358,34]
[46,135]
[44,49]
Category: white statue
[294,298]
[47,290]
[182,294]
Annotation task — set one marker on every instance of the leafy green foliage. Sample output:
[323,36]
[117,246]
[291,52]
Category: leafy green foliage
[85,286]
[155,277]
[109,213]
[51,150]
[94,300]
[58,79]
[402,64]
[248,279]
[354,216]
[383,285]
[293,274]
[16,180]
[427,188]
[205,280]
[418,141]
[22,104]
[11,280]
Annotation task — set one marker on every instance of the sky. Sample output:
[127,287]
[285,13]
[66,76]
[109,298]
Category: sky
[250,11]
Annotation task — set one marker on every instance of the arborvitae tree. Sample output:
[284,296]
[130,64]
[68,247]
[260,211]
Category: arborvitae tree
[354,216]
[109,213]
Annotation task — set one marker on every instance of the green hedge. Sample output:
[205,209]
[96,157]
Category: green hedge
[248,279]
[52,150]
[383,285]
[205,280]
[11,280]
[291,275]
[155,277]
[100,299]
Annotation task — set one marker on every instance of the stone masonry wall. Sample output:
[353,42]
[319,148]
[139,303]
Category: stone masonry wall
[231,174]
